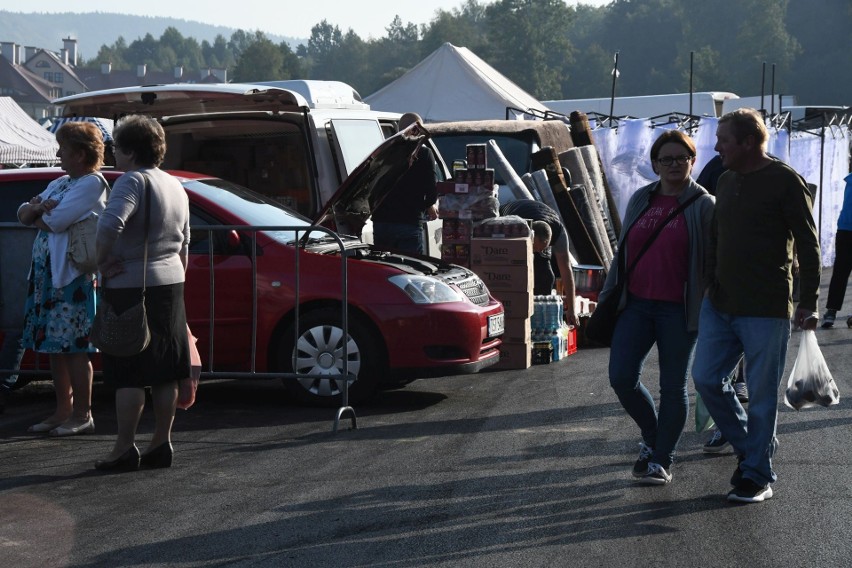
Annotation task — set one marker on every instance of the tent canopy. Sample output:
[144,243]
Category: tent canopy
[104,124]
[22,140]
[454,84]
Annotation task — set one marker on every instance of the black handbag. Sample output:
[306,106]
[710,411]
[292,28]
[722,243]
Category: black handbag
[126,333]
[601,324]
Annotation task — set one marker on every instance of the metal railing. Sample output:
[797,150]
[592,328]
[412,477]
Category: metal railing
[209,370]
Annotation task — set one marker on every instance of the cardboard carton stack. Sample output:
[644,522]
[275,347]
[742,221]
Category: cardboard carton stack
[465,201]
[505,265]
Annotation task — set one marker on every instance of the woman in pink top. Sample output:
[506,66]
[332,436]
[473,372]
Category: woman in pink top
[661,299]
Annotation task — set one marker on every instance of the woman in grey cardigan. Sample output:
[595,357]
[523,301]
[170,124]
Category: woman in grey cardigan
[140,146]
[660,302]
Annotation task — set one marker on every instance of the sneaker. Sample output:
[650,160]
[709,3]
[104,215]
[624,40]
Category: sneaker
[655,475]
[742,391]
[828,318]
[747,491]
[737,477]
[640,468]
[717,443]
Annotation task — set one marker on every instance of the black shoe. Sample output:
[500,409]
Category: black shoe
[747,491]
[640,468]
[737,477]
[828,318]
[159,457]
[128,461]
[717,443]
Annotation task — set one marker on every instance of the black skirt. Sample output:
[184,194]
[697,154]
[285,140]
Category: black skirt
[167,356]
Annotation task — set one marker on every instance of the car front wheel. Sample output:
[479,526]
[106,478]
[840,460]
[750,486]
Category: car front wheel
[318,351]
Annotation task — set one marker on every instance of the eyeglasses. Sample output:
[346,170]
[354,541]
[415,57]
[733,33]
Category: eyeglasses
[669,160]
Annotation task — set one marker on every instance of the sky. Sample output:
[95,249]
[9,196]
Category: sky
[368,18]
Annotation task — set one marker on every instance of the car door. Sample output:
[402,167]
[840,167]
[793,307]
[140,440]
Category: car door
[218,293]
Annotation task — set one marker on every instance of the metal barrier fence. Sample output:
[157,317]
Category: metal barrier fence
[12,297]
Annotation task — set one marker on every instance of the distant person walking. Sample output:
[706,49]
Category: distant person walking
[842,259]
[762,207]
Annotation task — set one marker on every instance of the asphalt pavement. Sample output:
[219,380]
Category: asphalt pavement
[508,468]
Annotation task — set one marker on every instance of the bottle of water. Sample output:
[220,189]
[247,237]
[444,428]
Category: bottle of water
[537,320]
[557,351]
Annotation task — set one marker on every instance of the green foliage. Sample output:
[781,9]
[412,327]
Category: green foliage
[553,50]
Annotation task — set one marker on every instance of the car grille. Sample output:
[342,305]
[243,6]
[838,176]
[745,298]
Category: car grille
[474,288]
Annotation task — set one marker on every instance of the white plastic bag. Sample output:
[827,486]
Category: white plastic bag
[810,383]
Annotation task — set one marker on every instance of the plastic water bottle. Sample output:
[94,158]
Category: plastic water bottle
[557,349]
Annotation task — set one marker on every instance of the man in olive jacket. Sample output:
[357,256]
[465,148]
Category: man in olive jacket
[762,207]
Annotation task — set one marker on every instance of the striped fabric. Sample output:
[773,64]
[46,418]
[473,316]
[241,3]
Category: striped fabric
[22,140]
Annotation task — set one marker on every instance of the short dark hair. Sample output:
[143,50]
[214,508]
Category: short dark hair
[542,231]
[84,137]
[675,136]
[143,137]
[747,122]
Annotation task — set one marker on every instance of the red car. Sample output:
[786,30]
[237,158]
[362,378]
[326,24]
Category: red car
[409,316]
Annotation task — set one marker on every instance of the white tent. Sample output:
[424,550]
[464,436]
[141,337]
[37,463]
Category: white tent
[22,140]
[454,84]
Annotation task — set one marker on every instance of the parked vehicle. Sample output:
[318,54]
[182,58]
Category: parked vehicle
[408,316]
[295,141]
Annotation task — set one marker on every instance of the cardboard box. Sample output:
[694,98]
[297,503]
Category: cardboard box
[501,252]
[514,356]
[516,304]
[505,278]
[517,330]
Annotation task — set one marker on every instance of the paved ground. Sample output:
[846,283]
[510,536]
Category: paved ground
[525,468]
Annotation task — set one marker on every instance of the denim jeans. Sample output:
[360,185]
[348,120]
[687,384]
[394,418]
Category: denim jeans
[404,237]
[840,272]
[642,324]
[722,340]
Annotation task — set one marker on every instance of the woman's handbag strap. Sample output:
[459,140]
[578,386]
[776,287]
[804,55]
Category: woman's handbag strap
[659,229]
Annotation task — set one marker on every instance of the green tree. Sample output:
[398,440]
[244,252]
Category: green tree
[462,27]
[261,60]
[532,47]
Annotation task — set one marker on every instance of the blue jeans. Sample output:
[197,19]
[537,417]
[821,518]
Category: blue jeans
[642,324]
[722,340]
[405,237]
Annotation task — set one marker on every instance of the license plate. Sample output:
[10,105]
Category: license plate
[496,324]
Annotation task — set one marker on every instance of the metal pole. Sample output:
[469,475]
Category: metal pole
[691,61]
[762,88]
[612,95]
[772,98]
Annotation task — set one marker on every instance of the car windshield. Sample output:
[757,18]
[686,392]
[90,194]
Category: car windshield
[254,209]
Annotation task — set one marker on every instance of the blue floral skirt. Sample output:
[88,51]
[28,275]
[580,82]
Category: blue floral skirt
[57,320]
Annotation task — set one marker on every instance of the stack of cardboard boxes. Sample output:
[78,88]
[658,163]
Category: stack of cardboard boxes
[505,265]
[499,253]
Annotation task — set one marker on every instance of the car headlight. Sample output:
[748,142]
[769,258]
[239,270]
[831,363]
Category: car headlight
[425,290]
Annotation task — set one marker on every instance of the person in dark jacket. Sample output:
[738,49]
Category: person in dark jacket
[397,221]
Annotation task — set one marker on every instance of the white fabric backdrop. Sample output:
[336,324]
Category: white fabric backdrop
[625,150]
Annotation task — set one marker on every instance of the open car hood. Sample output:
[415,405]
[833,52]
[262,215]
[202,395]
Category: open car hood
[371,181]
[160,101]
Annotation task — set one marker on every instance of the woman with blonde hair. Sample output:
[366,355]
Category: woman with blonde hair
[60,303]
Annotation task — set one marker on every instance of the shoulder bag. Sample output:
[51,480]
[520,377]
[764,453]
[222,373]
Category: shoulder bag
[127,333]
[601,324]
[81,242]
